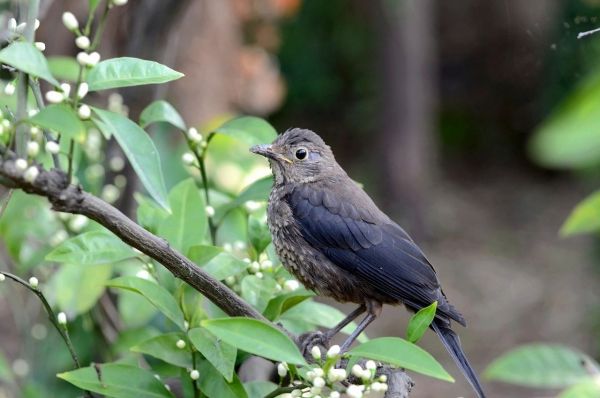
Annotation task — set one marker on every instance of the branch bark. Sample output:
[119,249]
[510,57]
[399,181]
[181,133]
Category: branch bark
[68,198]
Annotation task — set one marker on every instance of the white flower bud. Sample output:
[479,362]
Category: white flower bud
[383,378]
[66,89]
[230,280]
[21,164]
[40,45]
[254,267]
[54,97]
[119,2]
[33,148]
[282,369]
[180,344]
[319,382]
[193,135]
[84,112]
[194,375]
[2,278]
[290,285]
[296,393]
[334,394]
[93,58]
[379,387]
[12,25]
[116,163]
[33,282]
[336,375]
[143,274]
[70,21]
[110,193]
[61,318]
[371,365]
[83,58]
[315,352]
[252,205]
[36,25]
[82,90]
[83,42]
[333,351]
[52,147]
[210,211]
[315,391]
[186,325]
[266,265]
[357,371]
[9,89]
[227,247]
[188,158]
[33,112]
[259,275]
[21,27]
[78,222]
[354,391]
[31,174]
[35,131]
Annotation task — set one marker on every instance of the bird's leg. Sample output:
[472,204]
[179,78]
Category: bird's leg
[352,316]
[374,309]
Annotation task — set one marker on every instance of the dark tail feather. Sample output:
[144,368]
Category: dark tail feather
[452,344]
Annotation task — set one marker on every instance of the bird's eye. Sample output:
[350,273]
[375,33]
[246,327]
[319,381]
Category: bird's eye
[301,153]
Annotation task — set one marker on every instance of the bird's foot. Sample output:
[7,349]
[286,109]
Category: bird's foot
[308,340]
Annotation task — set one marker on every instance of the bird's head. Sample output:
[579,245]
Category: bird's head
[298,156]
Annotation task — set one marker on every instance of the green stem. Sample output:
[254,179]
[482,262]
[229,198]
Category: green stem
[37,94]
[283,390]
[195,382]
[70,156]
[211,225]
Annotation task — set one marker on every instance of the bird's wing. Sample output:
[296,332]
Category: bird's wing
[343,223]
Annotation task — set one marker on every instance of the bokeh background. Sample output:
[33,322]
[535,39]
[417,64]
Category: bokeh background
[431,105]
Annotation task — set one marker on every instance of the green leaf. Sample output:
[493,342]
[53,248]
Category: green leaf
[220,354]
[255,337]
[218,263]
[213,385]
[118,381]
[570,137]
[140,151]
[156,294]
[61,118]
[280,304]
[91,248]
[86,285]
[127,72]
[248,129]
[64,68]
[161,111]
[258,291]
[164,347]
[586,389]
[259,389]
[320,314]
[149,215]
[584,218]
[402,353]
[26,57]
[258,233]
[258,190]
[186,225]
[419,322]
[540,365]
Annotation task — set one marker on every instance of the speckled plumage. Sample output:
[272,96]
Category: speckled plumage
[331,236]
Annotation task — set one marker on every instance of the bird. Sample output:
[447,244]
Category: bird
[334,239]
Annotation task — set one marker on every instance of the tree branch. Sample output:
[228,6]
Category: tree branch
[70,198]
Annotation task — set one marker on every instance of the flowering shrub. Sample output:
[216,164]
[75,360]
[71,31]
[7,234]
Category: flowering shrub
[131,326]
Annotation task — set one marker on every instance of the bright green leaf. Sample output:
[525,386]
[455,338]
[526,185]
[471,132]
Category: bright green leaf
[258,233]
[161,111]
[419,322]
[149,214]
[26,57]
[258,190]
[140,151]
[249,130]
[86,285]
[258,291]
[402,353]
[186,225]
[540,365]
[118,381]
[156,294]
[213,385]
[91,248]
[280,304]
[586,389]
[164,347]
[64,68]
[584,218]
[61,118]
[259,389]
[255,337]
[126,72]
[220,354]
[93,4]
[570,137]
[218,263]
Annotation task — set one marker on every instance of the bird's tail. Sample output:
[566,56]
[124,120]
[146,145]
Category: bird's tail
[452,344]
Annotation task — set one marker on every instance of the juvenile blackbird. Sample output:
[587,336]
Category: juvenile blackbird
[331,236]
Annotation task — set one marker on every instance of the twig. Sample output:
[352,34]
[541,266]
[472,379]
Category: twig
[587,33]
[69,198]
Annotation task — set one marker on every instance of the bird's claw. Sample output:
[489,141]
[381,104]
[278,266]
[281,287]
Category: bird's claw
[308,340]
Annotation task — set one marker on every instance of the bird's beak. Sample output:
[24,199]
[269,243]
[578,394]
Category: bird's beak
[267,151]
